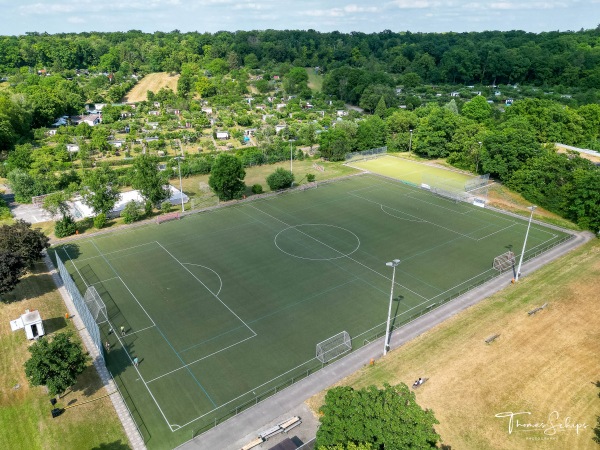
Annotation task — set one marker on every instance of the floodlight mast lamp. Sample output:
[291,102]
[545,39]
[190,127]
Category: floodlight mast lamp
[393,264]
[532,208]
[410,142]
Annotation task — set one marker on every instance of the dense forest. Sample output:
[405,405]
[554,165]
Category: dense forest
[401,80]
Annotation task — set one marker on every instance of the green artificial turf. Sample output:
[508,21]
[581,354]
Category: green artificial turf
[225,308]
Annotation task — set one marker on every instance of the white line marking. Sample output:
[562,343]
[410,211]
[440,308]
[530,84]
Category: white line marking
[220,281]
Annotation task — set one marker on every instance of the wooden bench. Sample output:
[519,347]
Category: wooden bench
[292,422]
[169,216]
[491,338]
[270,432]
[539,308]
[253,443]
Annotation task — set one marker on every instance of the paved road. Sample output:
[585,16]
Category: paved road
[245,427]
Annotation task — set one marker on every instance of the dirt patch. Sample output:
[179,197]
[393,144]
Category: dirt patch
[153,82]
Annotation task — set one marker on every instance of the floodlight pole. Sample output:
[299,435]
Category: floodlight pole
[180,183]
[291,158]
[393,264]
[410,142]
[532,208]
[478,157]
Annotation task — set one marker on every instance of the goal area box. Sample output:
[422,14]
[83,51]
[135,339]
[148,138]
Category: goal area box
[333,347]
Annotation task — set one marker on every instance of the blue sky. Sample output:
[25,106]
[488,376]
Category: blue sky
[55,16]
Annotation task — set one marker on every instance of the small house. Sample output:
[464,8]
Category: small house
[207,110]
[455,94]
[72,148]
[278,128]
[222,135]
[31,321]
[341,113]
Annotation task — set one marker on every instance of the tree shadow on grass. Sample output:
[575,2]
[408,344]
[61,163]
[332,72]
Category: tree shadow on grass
[54,324]
[116,445]
[35,284]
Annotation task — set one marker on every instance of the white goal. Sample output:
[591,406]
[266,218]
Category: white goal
[96,306]
[334,346]
[504,262]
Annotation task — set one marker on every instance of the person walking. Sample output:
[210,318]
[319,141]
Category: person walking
[135,361]
[107,346]
[122,330]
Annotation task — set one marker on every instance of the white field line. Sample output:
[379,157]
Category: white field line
[124,346]
[218,276]
[337,251]
[212,293]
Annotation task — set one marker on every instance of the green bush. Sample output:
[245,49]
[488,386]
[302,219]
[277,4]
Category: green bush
[165,207]
[132,212]
[65,227]
[280,179]
[148,207]
[100,220]
[257,188]
[310,177]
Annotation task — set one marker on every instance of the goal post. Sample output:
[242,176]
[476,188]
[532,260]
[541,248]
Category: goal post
[333,347]
[504,261]
[95,305]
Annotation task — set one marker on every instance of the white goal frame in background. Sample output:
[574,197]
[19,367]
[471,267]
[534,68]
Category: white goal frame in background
[334,346]
[96,306]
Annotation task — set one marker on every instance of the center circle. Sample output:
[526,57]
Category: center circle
[317,241]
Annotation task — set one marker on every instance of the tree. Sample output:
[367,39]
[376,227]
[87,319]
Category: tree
[227,177]
[132,212]
[56,203]
[477,109]
[280,179]
[386,418]
[11,269]
[149,180]
[100,189]
[381,108]
[20,240]
[55,364]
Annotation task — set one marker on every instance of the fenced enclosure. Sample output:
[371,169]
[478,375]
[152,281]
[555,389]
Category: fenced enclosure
[366,154]
[80,305]
[220,306]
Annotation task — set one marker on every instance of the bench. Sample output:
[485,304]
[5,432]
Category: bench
[169,216]
[491,338]
[539,308]
[270,432]
[253,443]
[290,423]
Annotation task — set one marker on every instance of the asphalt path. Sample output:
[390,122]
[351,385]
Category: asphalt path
[246,426]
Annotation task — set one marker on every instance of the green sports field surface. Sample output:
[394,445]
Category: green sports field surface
[412,171]
[225,308]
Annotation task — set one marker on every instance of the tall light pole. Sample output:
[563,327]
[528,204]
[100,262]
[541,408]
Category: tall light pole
[410,142]
[393,264]
[532,208]
[178,158]
[291,158]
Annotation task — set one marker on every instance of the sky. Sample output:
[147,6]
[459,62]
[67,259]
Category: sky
[61,16]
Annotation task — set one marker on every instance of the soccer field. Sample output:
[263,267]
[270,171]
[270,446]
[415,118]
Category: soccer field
[225,308]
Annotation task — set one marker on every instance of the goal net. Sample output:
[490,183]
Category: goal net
[96,306]
[504,262]
[334,346]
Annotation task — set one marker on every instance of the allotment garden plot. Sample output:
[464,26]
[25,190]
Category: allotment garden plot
[225,308]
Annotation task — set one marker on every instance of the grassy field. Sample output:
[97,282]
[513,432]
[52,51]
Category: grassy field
[412,171]
[225,308]
[151,82]
[25,420]
[540,364]
[315,82]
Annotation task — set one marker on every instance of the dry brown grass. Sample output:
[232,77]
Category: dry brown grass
[540,364]
[152,82]
[594,159]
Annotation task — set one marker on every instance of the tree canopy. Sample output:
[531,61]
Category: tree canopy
[227,177]
[55,363]
[384,418]
[149,180]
